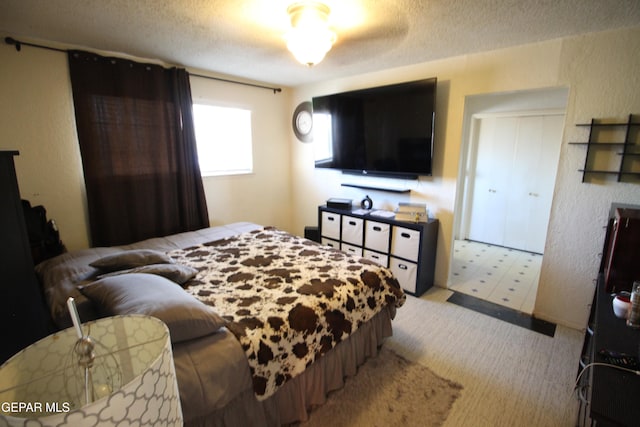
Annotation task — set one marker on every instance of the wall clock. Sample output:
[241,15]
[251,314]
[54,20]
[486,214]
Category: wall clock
[303,122]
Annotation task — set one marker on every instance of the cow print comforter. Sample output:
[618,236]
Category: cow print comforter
[288,300]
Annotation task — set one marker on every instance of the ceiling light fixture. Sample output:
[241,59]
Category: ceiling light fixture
[310,37]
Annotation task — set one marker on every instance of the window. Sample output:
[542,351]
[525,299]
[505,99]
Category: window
[223,137]
[322,140]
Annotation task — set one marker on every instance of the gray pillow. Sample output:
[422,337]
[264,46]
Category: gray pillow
[130,259]
[138,293]
[178,273]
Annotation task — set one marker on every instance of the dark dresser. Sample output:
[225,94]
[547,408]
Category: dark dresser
[23,317]
[622,257]
[609,396]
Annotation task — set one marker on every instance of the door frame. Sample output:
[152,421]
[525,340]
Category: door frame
[546,99]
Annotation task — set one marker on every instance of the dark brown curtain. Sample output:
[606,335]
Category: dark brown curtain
[138,148]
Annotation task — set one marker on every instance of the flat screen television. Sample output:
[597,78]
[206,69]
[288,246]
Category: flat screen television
[382,131]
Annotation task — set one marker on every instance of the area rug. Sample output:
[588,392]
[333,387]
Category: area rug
[388,390]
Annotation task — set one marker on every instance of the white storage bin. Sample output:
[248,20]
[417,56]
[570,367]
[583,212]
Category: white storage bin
[328,242]
[405,243]
[354,250]
[405,272]
[352,230]
[376,236]
[331,225]
[379,258]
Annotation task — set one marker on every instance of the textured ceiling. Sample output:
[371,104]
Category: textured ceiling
[244,38]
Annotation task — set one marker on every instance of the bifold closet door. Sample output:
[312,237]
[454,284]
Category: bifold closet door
[494,156]
[535,161]
[515,175]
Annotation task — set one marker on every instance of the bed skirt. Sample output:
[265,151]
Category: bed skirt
[293,401]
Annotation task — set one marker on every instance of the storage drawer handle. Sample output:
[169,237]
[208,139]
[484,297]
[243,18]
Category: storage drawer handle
[376,228]
[352,223]
[402,266]
[405,235]
[330,218]
[375,257]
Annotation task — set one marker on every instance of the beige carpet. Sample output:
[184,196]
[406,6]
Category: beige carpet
[388,391]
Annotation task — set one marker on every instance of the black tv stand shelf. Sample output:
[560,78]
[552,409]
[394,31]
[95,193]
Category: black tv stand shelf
[371,187]
[601,149]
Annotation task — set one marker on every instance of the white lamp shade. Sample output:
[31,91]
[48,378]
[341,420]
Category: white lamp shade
[310,46]
[33,390]
[310,38]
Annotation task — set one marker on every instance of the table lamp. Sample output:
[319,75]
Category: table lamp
[130,381]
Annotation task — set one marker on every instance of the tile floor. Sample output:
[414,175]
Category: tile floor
[504,276]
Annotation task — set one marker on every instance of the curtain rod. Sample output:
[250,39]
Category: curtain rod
[18,45]
[274,89]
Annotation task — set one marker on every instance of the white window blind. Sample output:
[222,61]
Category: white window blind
[223,137]
[322,139]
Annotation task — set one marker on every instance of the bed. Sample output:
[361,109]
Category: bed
[263,323]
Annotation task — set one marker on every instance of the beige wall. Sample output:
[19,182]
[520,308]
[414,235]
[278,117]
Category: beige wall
[600,71]
[263,197]
[37,119]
